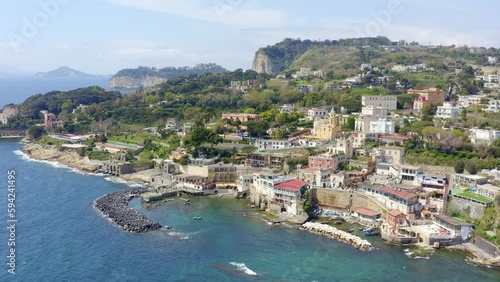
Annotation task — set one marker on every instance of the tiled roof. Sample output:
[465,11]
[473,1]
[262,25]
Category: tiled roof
[291,185]
[365,211]
[401,194]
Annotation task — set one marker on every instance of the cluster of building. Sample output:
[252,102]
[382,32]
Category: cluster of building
[7,113]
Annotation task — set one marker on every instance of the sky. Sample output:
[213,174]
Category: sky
[104,36]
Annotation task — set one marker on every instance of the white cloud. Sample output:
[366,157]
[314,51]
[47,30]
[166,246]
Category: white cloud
[230,12]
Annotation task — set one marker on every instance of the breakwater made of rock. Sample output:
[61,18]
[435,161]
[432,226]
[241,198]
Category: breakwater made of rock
[332,232]
[115,207]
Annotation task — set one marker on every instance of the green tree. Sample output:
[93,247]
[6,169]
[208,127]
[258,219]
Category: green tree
[35,132]
[471,168]
[459,166]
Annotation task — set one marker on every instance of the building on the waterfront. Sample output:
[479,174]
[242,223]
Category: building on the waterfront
[193,182]
[392,197]
[401,173]
[388,102]
[287,196]
[117,164]
[365,216]
[244,183]
[461,229]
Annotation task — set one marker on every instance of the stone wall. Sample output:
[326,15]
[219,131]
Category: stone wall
[486,246]
[472,210]
[340,199]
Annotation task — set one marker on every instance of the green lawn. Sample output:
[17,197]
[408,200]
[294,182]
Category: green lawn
[471,195]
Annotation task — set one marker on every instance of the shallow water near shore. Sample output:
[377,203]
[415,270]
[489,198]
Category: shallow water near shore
[61,237]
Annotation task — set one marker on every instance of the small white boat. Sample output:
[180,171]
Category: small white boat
[196,217]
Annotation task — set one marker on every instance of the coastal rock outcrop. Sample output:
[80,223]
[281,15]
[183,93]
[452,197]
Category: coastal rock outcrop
[332,232]
[115,207]
[50,153]
[262,63]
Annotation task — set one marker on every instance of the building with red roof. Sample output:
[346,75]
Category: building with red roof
[365,216]
[287,196]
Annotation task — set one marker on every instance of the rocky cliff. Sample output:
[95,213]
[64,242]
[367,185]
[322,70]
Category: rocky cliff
[262,63]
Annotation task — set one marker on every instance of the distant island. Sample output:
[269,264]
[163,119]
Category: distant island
[65,71]
[151,76]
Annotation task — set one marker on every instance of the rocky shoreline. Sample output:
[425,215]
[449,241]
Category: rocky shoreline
[115,207]
[334,233]
[50,153]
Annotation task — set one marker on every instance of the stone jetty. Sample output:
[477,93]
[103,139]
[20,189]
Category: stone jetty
[115,207]
[332,232]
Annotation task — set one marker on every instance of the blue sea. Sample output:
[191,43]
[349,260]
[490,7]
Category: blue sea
[17,89]
[61,237]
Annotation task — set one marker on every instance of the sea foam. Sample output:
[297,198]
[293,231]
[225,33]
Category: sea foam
[242,267]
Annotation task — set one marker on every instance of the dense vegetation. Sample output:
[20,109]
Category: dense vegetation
[170,72]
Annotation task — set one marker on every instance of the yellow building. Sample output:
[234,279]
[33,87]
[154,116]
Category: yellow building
[327,129]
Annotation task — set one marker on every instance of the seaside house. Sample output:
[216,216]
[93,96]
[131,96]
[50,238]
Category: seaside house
[365,216]
[287,195]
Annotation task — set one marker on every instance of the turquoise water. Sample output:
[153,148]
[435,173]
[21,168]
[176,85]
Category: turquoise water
[60,237]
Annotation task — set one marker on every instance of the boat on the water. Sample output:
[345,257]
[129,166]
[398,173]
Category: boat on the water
[371,233]
[196,217]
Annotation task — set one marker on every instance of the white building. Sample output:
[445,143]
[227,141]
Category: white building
[360,138]
[483,136]
[366,66]
[304,72]
[469,100]
[287,108]
[244,182]
[382,126]
[388,102]
[312,114]
[378,112]
[401,174]
[266,144]
[305,89]
[447,110]
[493,106]
[492,60]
